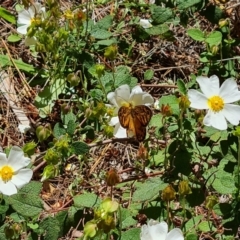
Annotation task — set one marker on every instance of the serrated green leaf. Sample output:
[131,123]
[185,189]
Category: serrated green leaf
[187,3]
[104,23]
[191,224]
[80,148]
[127,218]
[196,34]
[181,86]
[27,201]
[148,75]
[51,228]
[100,34]
[191,236]
[59,130]
[161,14]
[214,38]
[142,192]
[107,42]
[5,14]
[71,127]
[86,200]
[131,234]
[157,30]
[206,226]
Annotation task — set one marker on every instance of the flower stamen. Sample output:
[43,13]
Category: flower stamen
[216,103]
[6,173]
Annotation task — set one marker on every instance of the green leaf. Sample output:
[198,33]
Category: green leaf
[148,75]
[107,42]
[157,30]
[191,236]
[58,130]
[191,225]
[187,3]
[127,218]
[5,61]
[142,192]
[51,228]
[14,38]
[7,15]
[161,14]
[214,38]
[68,117]
[206,226]
[71,127]
[131,234]
[172,101]
[88,200]
[181,86]
[2,232]
[105,23]
[100,34]
[196,34]
[80,148]
[27,201]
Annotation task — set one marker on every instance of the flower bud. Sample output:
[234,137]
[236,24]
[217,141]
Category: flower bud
[65,108]
[168,194]
[52,156]
[222,23]
[43,132]
[112,177]
[48,172]
[211,201]
[142,152]
[183,188]
[73,79]
[68,14]
[166,110]
[90,229]
[109,206]
[214,49]
[100,70]
[236,132]
[184,102]
[111,52]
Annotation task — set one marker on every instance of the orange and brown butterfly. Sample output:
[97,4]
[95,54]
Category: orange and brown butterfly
[135,119]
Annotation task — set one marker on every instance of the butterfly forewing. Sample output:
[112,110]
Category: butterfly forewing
[143,114]
[135,120]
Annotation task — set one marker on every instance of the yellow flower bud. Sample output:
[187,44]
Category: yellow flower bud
[183,188]
[168,194]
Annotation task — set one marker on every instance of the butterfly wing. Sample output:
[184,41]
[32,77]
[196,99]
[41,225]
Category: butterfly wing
[143,114]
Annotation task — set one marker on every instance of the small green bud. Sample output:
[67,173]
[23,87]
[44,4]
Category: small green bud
[168,194]
[184,102]
[73,79]
[90,229]
[111,52]
[48,172]
[43,132]
[222,23]
[62,145]
[52,156]
[214,49]
[211,201]
[100,70]
[109,206]
[183,188]
[29,148]
[236,132]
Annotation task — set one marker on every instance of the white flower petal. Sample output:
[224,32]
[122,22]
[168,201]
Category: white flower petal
[145,23]
[197,99]
[232,113]
[3,160]
[30,41]
[22,29]
[136,89]
[119,131]
[148,99]
[138,99]
[209,86]
[112,99]
[229,91]
[114,121]
[175,234]
[122,94]
[22,177]
[157,230]
[24,18]
[145,235]
[7,188]
[16,158]
[23,128]
[216,120]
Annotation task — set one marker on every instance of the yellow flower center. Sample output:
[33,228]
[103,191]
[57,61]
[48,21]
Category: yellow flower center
[6,173]
[216,103]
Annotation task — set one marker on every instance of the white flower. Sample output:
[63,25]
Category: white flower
[156,105]
[26,17]
[23,128]
[145,23]
[159,231]
[121,96]
[13,174]
[217,100]
[151,1]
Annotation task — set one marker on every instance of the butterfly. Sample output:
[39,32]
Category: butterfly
[135,120]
